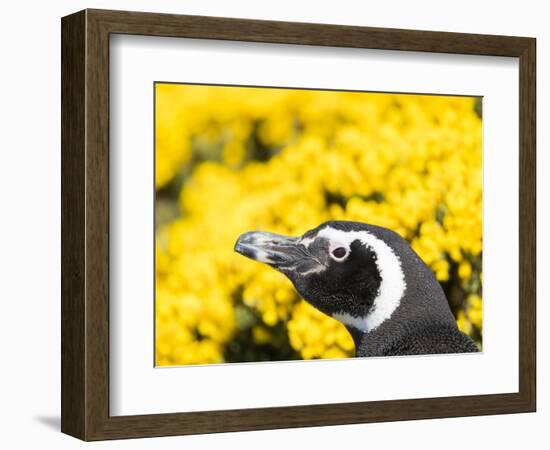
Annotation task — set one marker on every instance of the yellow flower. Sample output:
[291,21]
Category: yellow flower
[464,270]
[463,323]
[475,310]
[261,335]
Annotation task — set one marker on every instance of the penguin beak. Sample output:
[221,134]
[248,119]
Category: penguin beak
[284,253]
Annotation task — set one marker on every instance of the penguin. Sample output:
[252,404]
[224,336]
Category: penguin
[371,280]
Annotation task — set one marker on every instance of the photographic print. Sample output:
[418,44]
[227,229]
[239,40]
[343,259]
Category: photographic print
[311,224]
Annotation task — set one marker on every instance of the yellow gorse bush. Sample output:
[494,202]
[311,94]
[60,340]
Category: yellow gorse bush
[230,160]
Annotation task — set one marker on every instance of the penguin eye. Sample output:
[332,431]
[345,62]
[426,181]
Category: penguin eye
[339,252]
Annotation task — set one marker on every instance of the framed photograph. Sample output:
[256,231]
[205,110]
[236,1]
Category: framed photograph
[272,225]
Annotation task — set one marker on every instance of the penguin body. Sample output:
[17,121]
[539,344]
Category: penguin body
[371,280]
[422,339]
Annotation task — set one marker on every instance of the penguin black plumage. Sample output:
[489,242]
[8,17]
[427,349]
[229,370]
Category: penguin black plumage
[368,278]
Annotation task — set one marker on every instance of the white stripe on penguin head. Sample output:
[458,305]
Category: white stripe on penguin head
[392,284]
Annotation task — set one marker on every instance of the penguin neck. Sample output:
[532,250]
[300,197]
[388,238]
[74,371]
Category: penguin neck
[374,342]
[377,341]
[422,304]
[408,319]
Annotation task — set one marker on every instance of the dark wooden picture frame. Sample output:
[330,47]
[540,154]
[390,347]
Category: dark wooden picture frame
[85,224]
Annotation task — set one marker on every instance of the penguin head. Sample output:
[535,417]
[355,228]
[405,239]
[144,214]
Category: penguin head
[348,270]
